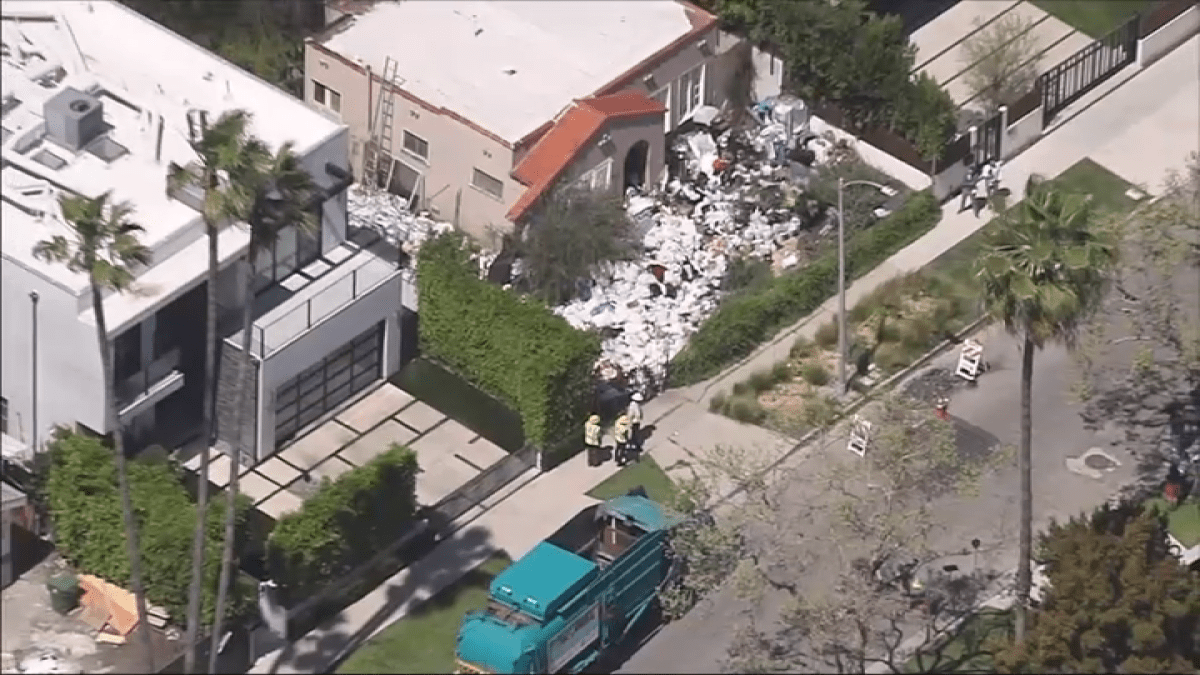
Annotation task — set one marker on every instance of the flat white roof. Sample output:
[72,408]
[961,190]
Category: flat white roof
[509,66]
[145,77]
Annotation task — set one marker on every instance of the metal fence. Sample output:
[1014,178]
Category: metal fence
[1070,80]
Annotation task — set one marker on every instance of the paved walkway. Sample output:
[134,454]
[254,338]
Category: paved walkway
[448,453]
[681,416]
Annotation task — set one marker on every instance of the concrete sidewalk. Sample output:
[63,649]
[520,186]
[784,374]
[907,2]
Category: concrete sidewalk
[681,417]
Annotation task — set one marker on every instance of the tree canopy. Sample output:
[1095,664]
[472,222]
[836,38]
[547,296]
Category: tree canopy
[1118,600]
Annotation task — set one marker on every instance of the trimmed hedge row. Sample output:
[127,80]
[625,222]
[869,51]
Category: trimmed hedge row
[514,349]
[344,524]
[745,321]
[84,501]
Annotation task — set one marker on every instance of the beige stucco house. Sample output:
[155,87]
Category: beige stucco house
[494,101]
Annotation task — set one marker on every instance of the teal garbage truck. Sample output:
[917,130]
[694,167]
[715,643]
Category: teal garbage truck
[576,595]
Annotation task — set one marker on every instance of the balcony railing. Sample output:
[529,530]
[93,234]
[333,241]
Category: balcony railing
[161,374]
[329,294]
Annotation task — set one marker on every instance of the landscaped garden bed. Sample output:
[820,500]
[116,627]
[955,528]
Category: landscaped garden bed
[892,327]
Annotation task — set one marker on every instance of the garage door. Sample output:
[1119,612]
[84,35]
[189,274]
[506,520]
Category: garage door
[322,388]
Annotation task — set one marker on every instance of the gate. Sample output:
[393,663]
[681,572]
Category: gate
[987,146]
[1065,83]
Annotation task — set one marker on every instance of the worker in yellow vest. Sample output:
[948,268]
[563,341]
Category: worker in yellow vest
[620,432]
[591,440]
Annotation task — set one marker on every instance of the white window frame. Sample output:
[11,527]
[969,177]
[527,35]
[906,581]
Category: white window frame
[663,96]
[419,141]
[691,90]
[476,173]
[598,178]
[321,97]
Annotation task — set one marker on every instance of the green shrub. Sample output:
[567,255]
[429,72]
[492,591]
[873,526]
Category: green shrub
[761,380]
[745,321]
[747,273]
[781,372]
[916,333]
[746,409]
[84,501]
[346,523]
[827,334]
[515,350]
[891,357]
[741,388]
[716,404]
[802,348]
[815,374]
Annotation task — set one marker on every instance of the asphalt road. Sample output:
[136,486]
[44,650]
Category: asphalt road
[989,411]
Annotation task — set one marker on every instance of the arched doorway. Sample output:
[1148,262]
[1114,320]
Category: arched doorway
[635,165]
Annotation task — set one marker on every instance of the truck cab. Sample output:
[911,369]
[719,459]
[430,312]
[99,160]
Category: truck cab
[575,594]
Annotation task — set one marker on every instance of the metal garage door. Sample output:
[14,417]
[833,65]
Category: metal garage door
[322,388]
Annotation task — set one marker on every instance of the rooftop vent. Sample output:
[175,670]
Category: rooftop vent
[74,119]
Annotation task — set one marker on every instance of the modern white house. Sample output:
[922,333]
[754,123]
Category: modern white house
[98,98]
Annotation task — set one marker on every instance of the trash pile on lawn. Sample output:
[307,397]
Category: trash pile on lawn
[732,193]
[388,214]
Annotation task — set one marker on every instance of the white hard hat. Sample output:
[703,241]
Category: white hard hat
[637,396]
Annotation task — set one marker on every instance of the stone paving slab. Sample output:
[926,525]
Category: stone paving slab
[256,487]
[420,416]
[331,468]
[375,407]
[278,471]
[218,470]
[318,444]
[482,452]
[377,442]
[282,502]
[440,477]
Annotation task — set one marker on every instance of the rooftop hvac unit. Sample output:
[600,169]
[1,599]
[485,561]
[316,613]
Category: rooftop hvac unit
[74,119]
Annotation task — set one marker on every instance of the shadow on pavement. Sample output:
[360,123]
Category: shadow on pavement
[435,571]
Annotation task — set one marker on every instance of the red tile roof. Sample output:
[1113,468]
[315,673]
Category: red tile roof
[547,160]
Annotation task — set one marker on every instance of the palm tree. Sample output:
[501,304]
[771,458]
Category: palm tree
[283,194]
[1042,274]
[221,161]
[103,244]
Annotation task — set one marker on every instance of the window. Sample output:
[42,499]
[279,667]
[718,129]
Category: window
[489,184]
[416,145]
[691,91]
[3,415]
[663,96]
[597,179]
[327,97]
[127,354]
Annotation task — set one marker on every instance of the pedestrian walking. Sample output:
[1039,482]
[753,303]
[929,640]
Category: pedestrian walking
[977,197]
[987,176]
[591,440]
[621,440]
[634,413]
[968,189]
[994,186]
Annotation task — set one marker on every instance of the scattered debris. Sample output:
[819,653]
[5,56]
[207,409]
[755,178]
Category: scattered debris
[388,214]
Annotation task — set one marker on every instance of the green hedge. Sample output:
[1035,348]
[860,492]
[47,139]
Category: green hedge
[514,349]
[346,523]
[745,321]
[84,501]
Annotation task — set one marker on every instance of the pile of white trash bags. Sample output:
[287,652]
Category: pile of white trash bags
[388,215]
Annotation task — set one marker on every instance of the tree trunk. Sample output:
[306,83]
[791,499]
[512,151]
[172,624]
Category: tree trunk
[132,548]
[1024,459]
[235,460]
[209,430]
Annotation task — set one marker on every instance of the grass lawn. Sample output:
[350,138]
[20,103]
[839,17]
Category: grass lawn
[1093,17]
[969,650]
[1183,521]
[645,473]
[423,641]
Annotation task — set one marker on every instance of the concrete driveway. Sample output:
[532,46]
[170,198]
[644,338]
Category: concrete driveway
[448,453]
[941,54]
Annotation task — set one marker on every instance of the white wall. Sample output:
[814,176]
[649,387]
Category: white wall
[1021,133]
[768,74]
[1155,45]
[383,303]
[70,382]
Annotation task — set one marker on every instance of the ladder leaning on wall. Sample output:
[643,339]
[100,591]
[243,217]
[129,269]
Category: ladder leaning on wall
[380,144]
